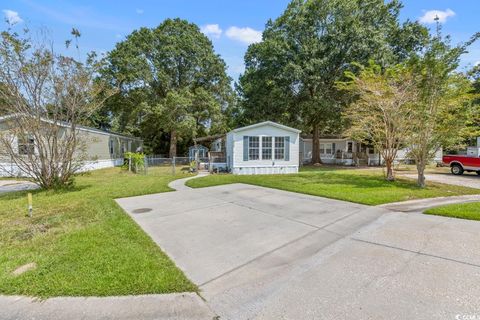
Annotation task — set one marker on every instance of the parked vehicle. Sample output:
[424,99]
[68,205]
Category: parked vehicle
[460,163]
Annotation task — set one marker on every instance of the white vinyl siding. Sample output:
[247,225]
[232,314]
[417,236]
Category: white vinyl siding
[238,151]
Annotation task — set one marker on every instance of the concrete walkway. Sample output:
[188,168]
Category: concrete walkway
[179,184]
[424,204]
[16,185]
[180,306]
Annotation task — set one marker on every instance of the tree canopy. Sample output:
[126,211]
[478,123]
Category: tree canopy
[440,112]
[290,76]
[172,84]
[380,115]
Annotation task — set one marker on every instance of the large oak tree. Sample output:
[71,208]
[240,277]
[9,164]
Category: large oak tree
[171,83]
[290,76]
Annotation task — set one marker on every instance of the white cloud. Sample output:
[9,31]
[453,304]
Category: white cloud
[246,35]
[139,11]
[12,17]
[477,63]
[429,16]
[212,30]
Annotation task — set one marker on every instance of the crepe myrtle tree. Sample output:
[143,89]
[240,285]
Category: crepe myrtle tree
[45,97]
[380,111]
[440,114]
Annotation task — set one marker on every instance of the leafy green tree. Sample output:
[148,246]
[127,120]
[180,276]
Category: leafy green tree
[472,129]
[171,83]
[3,100]
[444,96]
[291,75]
[381,113]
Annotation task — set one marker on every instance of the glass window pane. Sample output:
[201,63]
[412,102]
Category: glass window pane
[328,148]
[279,148]
[26,145]
[267,148]
[253,148]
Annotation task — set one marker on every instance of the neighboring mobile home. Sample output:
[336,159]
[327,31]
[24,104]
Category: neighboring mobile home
[344,151]
[103,149]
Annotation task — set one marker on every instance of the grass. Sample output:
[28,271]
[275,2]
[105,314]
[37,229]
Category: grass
[82,241]
[470,211]
[360,186]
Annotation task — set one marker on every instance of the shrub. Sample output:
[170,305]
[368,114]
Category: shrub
[134,161]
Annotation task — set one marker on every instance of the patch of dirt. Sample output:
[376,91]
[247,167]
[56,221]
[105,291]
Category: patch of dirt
[26,267]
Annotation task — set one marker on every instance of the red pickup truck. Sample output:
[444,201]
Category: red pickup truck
[459,163]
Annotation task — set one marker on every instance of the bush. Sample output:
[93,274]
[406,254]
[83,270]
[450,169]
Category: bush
[134,161]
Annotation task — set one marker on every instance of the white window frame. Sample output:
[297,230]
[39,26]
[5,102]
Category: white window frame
[253,150]
[324,148]
[279,145]
[270,148]
[26,145]
[350,144]
[111,147]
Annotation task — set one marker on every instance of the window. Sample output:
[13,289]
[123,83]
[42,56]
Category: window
[279,148]
[253,148]
[26,145]
[350,147]
[267,148]
[326,148]
[110,146]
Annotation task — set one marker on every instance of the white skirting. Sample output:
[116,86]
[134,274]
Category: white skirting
[11,170]
[102,164]
[265,170]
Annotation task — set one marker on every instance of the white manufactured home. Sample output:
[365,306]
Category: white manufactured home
[103,149]
[263,148]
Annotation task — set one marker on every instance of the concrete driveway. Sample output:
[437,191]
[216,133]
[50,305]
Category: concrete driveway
[468,179]
[16,185]
[260,253]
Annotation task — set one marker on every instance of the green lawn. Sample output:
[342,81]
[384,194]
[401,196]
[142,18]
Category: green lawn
[470,211]
[361,186]
[82,241]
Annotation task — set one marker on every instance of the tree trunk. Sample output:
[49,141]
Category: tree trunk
[173,144]
[421,174]
[389,165]
[316,145]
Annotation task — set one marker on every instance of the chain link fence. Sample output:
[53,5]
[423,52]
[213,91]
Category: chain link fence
[176,164]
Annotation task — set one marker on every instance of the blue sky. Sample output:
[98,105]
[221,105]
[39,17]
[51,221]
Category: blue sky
[231,25]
